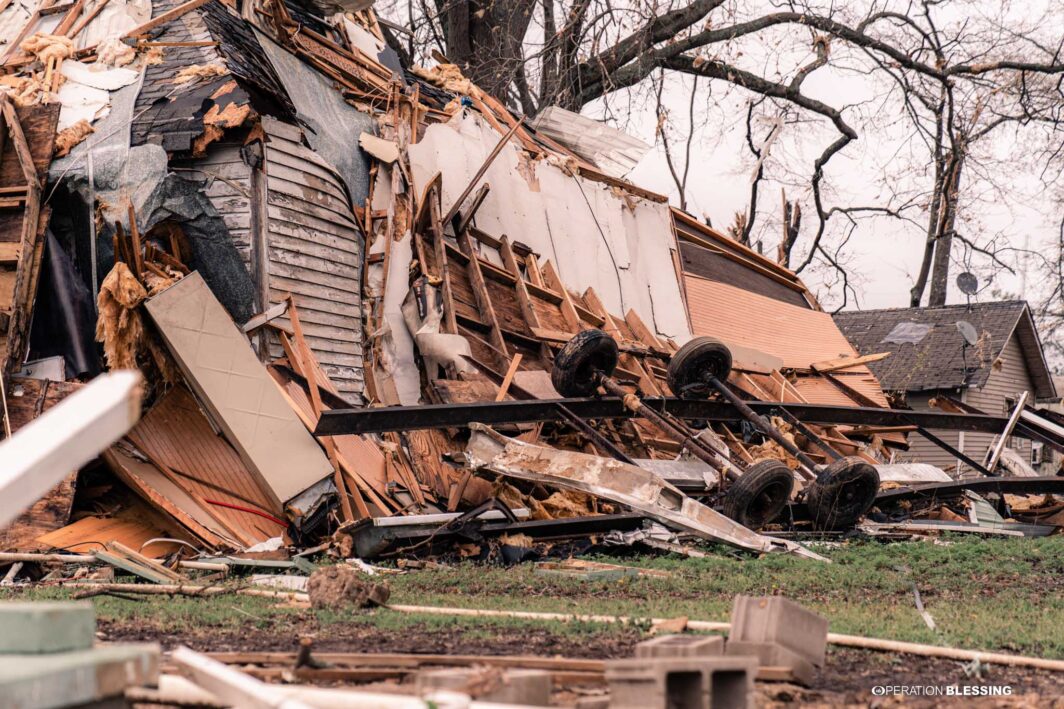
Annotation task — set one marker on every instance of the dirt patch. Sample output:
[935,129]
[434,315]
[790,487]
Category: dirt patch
[341,587]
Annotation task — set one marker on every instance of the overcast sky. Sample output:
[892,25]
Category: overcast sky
[882,255]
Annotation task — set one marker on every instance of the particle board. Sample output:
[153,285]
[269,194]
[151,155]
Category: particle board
[239,394]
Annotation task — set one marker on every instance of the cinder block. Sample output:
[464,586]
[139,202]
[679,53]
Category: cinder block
[528,687]
[682,682]
[681,646]
[778,620]
[80,677]
[34,627]
[775,656]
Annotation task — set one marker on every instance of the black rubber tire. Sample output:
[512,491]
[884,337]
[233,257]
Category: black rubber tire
[760,494]
[842,493]
[575,367]
[694,362]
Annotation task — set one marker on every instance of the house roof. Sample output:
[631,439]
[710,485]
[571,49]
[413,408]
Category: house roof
[928,351]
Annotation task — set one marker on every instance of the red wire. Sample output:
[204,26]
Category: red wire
[250,511]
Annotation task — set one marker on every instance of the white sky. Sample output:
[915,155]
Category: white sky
[883,254]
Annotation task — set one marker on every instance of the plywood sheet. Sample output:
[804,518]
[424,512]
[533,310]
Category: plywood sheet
[240,395]
[90,534]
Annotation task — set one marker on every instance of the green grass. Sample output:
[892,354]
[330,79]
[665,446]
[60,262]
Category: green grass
[1001,594]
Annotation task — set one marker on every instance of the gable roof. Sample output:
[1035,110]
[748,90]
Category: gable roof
[927,348]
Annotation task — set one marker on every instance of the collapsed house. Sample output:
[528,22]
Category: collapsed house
[329,265]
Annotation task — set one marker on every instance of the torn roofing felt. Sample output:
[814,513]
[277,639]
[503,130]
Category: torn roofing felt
[176,110]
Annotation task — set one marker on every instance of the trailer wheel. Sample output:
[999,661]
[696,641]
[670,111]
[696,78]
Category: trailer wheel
[760,494]
[576,367]
[842,493]
[694,363]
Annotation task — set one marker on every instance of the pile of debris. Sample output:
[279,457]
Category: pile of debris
[378,314]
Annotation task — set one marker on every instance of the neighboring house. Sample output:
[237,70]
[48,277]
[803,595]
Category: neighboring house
[930,356]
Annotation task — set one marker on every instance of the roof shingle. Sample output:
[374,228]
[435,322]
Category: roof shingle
[927,348]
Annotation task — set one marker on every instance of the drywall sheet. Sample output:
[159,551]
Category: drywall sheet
[240,395]
[597,236]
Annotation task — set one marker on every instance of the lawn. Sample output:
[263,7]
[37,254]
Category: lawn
[1000,594]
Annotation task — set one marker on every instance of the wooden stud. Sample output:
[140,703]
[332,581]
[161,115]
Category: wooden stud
[554,282]
[509,377]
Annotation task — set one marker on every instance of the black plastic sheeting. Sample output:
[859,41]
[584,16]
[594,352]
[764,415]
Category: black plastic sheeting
[64,316]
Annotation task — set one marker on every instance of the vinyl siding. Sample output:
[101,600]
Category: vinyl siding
[314,252]
[1004,382]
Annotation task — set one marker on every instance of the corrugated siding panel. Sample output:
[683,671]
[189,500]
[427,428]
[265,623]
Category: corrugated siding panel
[1005,382]
[314,253]
[797,335]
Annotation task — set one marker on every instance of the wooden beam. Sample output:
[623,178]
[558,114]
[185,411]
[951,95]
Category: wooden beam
[450,323]
[554,282]
[833,365]
[64,438]
[483,298]
[509,377]
[480,173]
[309,373]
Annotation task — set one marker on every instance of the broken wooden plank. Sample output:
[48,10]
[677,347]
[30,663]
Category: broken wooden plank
[833,365]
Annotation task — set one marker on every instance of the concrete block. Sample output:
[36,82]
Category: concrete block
[46,626]
[776,656]
[775,619]
[72,679]
[528,687]
[681,646]
[682,682]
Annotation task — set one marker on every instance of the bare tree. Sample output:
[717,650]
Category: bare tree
[960,77]
[678,172]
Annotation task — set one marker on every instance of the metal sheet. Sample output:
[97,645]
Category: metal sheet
[333,125]
[613,480]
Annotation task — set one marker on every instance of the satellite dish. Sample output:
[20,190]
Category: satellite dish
[968,283]
[968,332]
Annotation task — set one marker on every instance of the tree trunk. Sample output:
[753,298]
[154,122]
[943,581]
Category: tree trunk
[933,223]
[944,243]
[485,39]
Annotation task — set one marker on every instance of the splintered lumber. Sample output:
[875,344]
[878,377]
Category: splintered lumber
[132,567]
[508,379]
[169,16]
[834,365]
[65,438]
[88,588]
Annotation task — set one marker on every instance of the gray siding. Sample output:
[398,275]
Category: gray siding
[1006,381]
[922,450]
[314,252]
